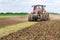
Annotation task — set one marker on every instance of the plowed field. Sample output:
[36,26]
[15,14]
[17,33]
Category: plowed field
[12,21]
[44,30]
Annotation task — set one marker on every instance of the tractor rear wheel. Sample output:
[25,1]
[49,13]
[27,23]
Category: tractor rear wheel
[44,16]
[35,18]
[30,17]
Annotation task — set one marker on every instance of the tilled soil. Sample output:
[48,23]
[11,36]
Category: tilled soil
[11,21]
[45,30]
[18,19]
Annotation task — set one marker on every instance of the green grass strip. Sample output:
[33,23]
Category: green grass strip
[14,28]
[12,16]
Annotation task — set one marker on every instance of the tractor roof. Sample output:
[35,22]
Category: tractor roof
[39,5]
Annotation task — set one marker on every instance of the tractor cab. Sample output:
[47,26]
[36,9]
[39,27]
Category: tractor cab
[40,8]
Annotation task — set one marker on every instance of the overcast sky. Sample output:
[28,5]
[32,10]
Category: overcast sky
[25,5]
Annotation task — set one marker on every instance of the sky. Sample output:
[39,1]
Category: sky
[26,5]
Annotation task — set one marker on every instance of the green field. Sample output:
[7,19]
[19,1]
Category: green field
[3,15]
[13,14]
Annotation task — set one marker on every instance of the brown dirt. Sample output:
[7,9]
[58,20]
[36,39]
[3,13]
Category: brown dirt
[54,17]
[11,21]
[45,30]
[16,19]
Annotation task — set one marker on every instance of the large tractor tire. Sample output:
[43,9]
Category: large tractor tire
[30,17]
[44,16]
[47,16]
[35,17]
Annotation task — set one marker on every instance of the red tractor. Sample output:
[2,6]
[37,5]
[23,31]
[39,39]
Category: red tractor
[39,13]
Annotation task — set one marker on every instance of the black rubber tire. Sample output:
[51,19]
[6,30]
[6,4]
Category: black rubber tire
[35,18]
[30,17]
